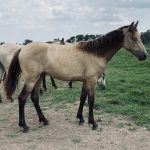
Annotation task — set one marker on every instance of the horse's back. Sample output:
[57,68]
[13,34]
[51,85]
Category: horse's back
[7,52]
[38,57]
[10,47]
[32,57]
[64,62]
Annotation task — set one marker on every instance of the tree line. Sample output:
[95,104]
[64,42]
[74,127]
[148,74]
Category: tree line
[145,36]
[81,37]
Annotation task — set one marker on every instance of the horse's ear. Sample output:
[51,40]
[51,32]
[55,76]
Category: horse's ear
[62,40]
[136,24]
[131,26]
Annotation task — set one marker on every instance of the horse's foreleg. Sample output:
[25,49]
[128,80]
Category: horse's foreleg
[70,84]
[22,101]
[53,83]
[35,100]
[82,101]
[91,97]
[91,115]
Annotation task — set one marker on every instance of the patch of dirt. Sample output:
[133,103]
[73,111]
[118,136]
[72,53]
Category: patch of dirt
[64,133]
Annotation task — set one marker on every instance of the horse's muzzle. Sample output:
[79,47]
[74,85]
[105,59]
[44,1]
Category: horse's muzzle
[142,56]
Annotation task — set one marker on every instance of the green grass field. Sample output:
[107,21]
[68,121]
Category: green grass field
[127,90]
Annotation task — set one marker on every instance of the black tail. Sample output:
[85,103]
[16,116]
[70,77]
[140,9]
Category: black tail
[13,75]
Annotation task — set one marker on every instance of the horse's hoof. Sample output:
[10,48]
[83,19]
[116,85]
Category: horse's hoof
[26,130]
[45,122]
[95,126]
[12,100]
[81,122]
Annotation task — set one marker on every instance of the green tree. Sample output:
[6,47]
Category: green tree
[79,38]
[71,39]
[145,36]
[27,41]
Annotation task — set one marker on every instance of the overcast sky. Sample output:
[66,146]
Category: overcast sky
[43,20]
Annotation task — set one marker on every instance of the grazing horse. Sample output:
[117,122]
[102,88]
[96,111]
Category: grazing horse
[83,61]
[101,82]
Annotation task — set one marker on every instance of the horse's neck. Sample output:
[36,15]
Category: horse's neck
[111,53]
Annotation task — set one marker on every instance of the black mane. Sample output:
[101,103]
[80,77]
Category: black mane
[99,46]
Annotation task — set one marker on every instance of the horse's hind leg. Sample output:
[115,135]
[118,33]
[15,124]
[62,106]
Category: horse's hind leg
[44,82]
[53,83]
[22,101]
[35,100]
[28,87]
[82,101]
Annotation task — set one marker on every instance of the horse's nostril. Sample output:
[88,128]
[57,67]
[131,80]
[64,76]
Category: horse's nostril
[145,56]
[142,57]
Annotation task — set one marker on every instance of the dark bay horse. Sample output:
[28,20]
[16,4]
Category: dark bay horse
[83,61]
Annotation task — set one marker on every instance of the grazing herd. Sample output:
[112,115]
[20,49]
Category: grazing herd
[84,61]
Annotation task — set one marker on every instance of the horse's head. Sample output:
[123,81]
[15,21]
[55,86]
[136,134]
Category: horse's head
[132,41]
[101,82]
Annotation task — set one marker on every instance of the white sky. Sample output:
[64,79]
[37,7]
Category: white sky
[43,20]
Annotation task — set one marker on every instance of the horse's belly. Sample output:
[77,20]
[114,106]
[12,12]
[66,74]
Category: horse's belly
[65,73]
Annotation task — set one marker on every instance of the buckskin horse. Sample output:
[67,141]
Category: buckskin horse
[83,61]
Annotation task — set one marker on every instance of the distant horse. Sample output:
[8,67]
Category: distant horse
[7,52]
[83,61]
[101,82]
